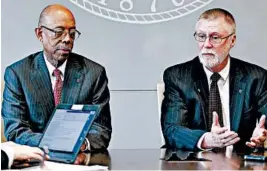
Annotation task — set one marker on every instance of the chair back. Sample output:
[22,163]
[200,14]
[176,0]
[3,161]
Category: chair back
[160,95]
[3,138]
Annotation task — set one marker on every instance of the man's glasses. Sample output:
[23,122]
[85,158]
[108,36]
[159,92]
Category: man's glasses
[214,39]
[59,32]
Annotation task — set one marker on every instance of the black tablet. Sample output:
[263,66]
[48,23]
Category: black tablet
[66,131]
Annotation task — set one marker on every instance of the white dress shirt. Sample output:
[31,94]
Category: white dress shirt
[224,86]
[62,69]
[51,69]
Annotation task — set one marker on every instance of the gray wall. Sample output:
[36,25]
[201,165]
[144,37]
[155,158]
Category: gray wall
[134,55]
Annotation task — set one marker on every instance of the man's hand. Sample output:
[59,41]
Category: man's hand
[259,134]
[23,152]
[80,159]
[83,147]
[81,156]
[219,136]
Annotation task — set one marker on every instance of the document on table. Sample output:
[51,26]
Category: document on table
[53,166]
[64,130]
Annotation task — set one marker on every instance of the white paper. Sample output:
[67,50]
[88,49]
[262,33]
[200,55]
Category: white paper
[77,107]
[53,166]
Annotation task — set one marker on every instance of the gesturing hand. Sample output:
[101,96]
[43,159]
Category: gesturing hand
[259,134]
[219,136]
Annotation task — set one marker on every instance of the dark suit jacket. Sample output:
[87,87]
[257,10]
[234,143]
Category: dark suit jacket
[185,106]
[4,160]
[28,98]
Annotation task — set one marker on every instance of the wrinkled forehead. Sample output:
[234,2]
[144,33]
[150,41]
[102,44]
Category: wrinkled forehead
[218,25]
[59,18]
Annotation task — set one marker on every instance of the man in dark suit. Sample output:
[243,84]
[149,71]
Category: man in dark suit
[37,83]
[214,100]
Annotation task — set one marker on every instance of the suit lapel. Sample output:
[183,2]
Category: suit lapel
[237,92]
[73,79]
[40,81]
[201,87]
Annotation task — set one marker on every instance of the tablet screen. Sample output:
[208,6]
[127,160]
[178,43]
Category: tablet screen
[64,129]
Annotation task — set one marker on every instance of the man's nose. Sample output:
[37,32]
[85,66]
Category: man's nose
[66,37]
[207,43]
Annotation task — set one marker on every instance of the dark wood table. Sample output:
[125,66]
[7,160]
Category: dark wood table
[150,159]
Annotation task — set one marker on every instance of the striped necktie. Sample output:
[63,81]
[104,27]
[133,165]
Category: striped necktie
[58,86]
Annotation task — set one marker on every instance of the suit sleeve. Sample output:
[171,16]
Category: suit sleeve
[261,92]
[100,132]
[175,116]
[15,112]
[4,160]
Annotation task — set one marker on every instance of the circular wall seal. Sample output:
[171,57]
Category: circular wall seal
[142,11]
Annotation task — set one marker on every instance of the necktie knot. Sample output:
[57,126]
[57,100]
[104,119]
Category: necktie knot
[57,72]
[215,77]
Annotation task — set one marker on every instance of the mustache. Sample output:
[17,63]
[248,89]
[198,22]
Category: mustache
[63,48]
[208,51]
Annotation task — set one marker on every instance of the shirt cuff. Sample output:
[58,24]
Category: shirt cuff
[200,142]
[87,144]
[9,152]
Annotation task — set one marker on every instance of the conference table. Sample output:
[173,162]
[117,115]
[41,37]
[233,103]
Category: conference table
[151,159]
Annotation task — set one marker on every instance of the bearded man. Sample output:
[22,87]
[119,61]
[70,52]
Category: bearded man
[214,100]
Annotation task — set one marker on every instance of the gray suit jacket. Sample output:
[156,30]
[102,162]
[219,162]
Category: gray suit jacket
[28,98]
[185,106]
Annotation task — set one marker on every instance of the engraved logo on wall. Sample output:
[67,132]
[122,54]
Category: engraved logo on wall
[141,11]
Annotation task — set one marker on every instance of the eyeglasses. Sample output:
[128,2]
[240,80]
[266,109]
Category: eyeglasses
[214,39]
[59,32]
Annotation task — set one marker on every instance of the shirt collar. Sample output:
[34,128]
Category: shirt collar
[224,73]
[51,68]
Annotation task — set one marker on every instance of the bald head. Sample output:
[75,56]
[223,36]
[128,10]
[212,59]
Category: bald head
[52,11]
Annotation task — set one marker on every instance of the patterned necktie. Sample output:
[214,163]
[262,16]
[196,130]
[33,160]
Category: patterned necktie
[58,86]
[215,100]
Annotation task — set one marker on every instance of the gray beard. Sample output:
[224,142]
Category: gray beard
[209,62]
[55,63]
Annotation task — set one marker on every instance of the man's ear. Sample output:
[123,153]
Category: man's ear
[38,33]
[233,41]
